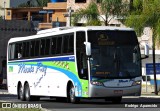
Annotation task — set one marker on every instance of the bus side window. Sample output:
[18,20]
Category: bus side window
[18,51]
[36,50]
[11,52]
[42,47]
[32,45]
[25,49]
[59,45]
[65,43]
[71,44]
[47,47]
[68,44]
[53,46]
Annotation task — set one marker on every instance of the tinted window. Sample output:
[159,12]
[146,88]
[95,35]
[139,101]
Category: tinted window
[25,49]
[53,45]
[59,45]
[42,50]
[32,47]
[37,46]
[47,48]
[112,37]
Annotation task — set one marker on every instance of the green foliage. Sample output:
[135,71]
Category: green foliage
[90,14]
[114,8]
[42,3]
[149,16]
[26,5]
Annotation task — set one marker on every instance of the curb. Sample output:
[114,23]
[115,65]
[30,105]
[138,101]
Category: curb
[148,96]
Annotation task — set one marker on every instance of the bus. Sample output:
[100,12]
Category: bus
[74,63]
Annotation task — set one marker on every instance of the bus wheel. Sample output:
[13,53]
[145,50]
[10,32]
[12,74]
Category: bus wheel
[27,92]
[21,93]
[28,97]
[117,100]
[72,97]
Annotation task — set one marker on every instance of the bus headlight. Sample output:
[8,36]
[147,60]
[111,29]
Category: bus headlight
[96,83]
[136,83]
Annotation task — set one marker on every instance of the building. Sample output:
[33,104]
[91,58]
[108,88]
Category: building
[10,29]
[9,4]
[47,17]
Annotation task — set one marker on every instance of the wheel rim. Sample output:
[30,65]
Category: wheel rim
[21,92]
[27,93]
[72,94]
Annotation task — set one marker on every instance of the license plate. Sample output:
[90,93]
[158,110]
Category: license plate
[118,91]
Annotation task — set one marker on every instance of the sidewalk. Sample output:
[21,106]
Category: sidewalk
[149,91]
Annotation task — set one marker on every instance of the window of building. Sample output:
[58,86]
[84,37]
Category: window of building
[8,13]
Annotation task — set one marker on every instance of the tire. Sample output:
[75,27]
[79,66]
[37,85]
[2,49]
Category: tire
[71,94]
[27,95]
[21,93]
[117,100]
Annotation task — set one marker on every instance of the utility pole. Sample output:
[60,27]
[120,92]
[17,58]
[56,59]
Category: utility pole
[69,14]
[4,9]
[154,65]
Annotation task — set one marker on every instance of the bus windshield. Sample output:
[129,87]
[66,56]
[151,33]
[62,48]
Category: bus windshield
[115,54]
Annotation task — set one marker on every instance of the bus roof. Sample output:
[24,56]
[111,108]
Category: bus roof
[61,30]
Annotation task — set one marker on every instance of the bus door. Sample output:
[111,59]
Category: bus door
[82,65]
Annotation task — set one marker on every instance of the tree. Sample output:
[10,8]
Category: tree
[42,3]
[90,14]
[109,8]
[30,3]
[147,13]
[27,4]
[114,8]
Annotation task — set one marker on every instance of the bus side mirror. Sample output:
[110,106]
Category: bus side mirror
[88,48]
[146,50]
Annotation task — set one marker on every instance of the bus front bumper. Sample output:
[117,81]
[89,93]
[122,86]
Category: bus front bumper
[101,91]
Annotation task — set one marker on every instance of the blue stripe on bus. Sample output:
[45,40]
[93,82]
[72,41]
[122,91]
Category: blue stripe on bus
[70,58]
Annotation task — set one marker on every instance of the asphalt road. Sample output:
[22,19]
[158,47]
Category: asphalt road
[133,103]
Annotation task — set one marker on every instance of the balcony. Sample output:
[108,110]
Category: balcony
[59,5]
[45,25]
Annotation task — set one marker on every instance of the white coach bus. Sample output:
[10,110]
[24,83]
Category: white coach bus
[74,63]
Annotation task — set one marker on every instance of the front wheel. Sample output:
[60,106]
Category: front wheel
[72,97]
